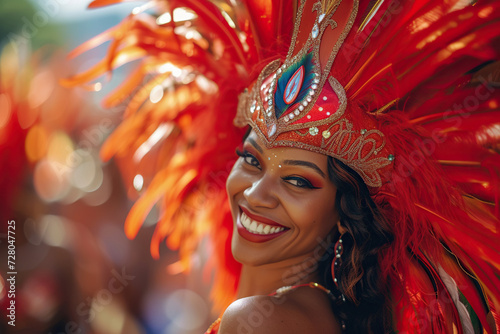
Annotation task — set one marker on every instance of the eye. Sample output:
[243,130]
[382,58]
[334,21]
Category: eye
[299,182]
[249,158]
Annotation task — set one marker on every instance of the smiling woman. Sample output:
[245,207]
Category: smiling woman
[286,205]
[365,195]
[283,190]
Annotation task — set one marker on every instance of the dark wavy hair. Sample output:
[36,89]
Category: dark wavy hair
[367,306]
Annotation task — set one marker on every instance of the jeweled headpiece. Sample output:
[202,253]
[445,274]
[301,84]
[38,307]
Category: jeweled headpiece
[298,103]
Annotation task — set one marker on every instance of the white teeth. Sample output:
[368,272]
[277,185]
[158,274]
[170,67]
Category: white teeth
[258,228]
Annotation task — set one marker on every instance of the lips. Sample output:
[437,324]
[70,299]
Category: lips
[256,228]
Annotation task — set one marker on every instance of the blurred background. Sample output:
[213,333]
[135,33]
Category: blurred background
[76,270]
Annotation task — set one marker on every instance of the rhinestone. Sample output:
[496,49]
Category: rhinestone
[391,157]
[311,92]
[308,116]
[286,119]
[314,86]
[279,70]
[291,116]
[296,112]
[363,131]
[338,255]
[326,134]
[320,108]
[309,99]
[313,131]
[305,103]
[272,130]
[375,152]
[269,114]
[335,280]
[258,108]
[316,81]
[325,98]
[252,108]
[321,17]
[266,98]
[315,31]
[301,107]
[328,113]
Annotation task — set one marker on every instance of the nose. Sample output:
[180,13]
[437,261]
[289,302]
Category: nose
[261,193]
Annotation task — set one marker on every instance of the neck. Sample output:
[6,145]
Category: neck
[265,279]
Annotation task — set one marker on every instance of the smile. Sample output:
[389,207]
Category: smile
[257,227]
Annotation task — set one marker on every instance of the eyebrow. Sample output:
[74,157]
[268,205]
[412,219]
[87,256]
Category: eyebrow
[254,144]
[305,164]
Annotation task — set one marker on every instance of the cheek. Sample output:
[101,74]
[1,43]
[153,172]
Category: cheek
[235,180]
[315,214]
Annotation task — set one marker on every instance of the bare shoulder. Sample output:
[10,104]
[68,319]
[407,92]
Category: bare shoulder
[301,311]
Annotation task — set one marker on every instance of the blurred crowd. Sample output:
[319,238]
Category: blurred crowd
[75,270]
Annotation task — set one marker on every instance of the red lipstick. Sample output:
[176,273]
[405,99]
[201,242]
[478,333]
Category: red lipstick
[254,237]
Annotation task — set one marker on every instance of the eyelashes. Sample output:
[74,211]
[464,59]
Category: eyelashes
[249,158]
[299,182]
[295,181]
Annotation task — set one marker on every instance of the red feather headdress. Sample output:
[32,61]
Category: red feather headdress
[424,73]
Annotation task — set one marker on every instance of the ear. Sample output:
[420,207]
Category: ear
[341,228]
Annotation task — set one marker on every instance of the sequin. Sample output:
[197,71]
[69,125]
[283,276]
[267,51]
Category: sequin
[296,112]
[313,131]
[272,130]
[363,131]
[315,31]
[326,134]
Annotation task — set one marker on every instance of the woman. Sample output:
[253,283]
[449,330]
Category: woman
[342,219]
[296,190]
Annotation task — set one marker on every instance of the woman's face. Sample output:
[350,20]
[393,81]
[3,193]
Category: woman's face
[282,203]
